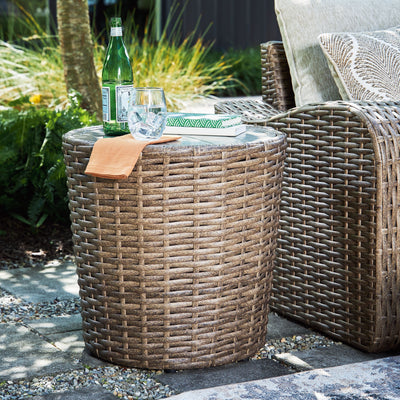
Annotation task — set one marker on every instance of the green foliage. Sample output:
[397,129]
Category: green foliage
[244,69]
[32,171]
[12,26]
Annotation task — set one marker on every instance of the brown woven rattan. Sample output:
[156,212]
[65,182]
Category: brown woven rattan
[175,263]
[337,267]
[275,77]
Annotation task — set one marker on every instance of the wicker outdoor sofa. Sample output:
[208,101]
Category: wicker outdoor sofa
[338,256]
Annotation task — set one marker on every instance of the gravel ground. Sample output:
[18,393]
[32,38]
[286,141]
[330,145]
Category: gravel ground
[15,310]
[125,383]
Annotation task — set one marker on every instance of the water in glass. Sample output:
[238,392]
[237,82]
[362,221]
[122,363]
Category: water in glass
[147,113]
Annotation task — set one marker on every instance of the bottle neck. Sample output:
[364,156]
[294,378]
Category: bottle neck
[116,31]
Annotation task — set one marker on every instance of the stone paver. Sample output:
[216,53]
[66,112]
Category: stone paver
[279,327]
[64,332]
[331,356]
[89,393]
[70,342]
[42,284]
[57,325]
[24,354]
[232,373]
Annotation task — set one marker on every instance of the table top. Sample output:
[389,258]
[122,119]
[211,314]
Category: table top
[252,135]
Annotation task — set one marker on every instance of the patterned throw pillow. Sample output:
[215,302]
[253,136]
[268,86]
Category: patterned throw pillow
[364,65]
[300,23]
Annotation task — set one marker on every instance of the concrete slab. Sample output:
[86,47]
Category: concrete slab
[88,393]
[332,356]
[65,332]
[24,355]
[49,326]
[69,342]
[243,371]
[36,285]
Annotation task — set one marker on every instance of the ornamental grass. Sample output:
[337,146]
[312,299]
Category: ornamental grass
[31,70]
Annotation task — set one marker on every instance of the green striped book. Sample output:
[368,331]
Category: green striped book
[188,130]
[195,120]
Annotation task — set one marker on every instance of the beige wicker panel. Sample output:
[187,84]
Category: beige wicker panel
[175,263]
[337,266]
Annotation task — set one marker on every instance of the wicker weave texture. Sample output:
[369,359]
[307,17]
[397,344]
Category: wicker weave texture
[339,222]
[276,86]
[337,268]
[175,263]
[253,112]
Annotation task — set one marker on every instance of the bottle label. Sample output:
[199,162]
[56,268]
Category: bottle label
[105,92]
[116,31]
[122,96]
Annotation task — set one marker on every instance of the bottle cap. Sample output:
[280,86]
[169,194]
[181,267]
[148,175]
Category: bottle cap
[116,22]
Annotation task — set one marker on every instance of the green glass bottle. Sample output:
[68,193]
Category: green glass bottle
[117,83]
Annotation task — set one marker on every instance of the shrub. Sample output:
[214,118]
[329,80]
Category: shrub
[32,171]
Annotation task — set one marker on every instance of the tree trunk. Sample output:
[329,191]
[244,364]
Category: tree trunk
[77,53]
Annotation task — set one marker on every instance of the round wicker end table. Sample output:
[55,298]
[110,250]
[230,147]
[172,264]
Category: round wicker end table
[175,263]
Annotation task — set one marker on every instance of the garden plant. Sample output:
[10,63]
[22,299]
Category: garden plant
[36,110]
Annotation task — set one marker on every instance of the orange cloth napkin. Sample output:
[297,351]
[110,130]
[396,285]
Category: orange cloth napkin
[115,158]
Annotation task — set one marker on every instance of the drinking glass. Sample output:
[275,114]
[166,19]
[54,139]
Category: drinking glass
[147,113]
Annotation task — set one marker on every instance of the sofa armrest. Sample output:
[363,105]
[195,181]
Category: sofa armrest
[337,264]
[253,112]
[276,85]
[340,214]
